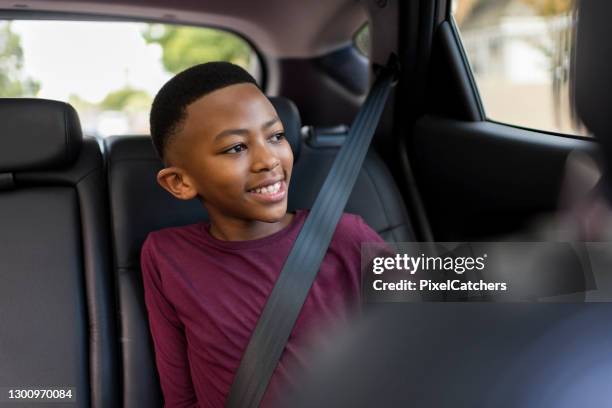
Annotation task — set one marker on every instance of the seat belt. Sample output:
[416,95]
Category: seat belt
[300,270]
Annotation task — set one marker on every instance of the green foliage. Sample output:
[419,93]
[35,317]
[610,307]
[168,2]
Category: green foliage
[184,47]
[11,65]
[79,103]
[126,99]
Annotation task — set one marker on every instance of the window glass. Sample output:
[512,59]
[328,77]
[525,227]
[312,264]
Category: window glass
[109,71]
[362,40]
[520,54]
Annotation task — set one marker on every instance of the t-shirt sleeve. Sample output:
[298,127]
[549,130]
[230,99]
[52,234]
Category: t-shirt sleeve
[366,234]
[378,248]
[168,336]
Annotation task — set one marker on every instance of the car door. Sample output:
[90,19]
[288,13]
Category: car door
[487,129]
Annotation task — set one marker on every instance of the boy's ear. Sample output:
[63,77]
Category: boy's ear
[177,183]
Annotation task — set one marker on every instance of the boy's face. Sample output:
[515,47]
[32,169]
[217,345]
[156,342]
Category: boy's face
[231,144]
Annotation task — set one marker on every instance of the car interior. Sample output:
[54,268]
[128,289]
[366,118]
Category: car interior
[76,208]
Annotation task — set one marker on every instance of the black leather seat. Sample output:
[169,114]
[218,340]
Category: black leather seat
[139,206]
[375,196]
[56,289]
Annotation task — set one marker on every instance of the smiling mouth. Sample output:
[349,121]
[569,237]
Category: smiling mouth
[269,189]
[273,193]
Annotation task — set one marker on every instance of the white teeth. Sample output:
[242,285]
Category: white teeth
[271,189]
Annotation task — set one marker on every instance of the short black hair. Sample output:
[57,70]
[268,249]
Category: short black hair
[169,107]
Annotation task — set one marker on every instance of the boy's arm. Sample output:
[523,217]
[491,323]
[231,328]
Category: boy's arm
[168,336]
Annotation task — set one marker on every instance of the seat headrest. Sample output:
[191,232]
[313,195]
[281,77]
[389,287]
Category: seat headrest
[290,116]
[37,134]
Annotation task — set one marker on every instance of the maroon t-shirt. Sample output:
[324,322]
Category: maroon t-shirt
[204,297]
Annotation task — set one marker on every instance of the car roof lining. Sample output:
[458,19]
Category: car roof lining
[279,29]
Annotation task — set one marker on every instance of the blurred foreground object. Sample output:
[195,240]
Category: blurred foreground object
[467,355]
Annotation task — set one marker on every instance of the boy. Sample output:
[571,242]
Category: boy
[206,284]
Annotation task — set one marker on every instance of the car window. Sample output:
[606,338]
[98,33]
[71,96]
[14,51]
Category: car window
[520,54]
[109,71]
[361,40]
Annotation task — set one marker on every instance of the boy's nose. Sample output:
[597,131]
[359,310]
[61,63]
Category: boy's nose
[264,159]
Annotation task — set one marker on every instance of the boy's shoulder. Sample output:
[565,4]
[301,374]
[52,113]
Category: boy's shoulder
[172,234]
[348,222]
[352,227]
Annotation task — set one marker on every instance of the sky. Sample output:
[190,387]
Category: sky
[89,59]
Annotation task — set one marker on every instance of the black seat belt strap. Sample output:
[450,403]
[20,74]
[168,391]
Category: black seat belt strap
[300,270]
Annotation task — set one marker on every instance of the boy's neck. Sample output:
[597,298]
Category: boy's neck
[239,230]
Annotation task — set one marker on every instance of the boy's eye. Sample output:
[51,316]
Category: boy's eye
[277,137]
[236,149]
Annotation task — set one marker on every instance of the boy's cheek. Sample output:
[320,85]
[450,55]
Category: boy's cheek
[288,162]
